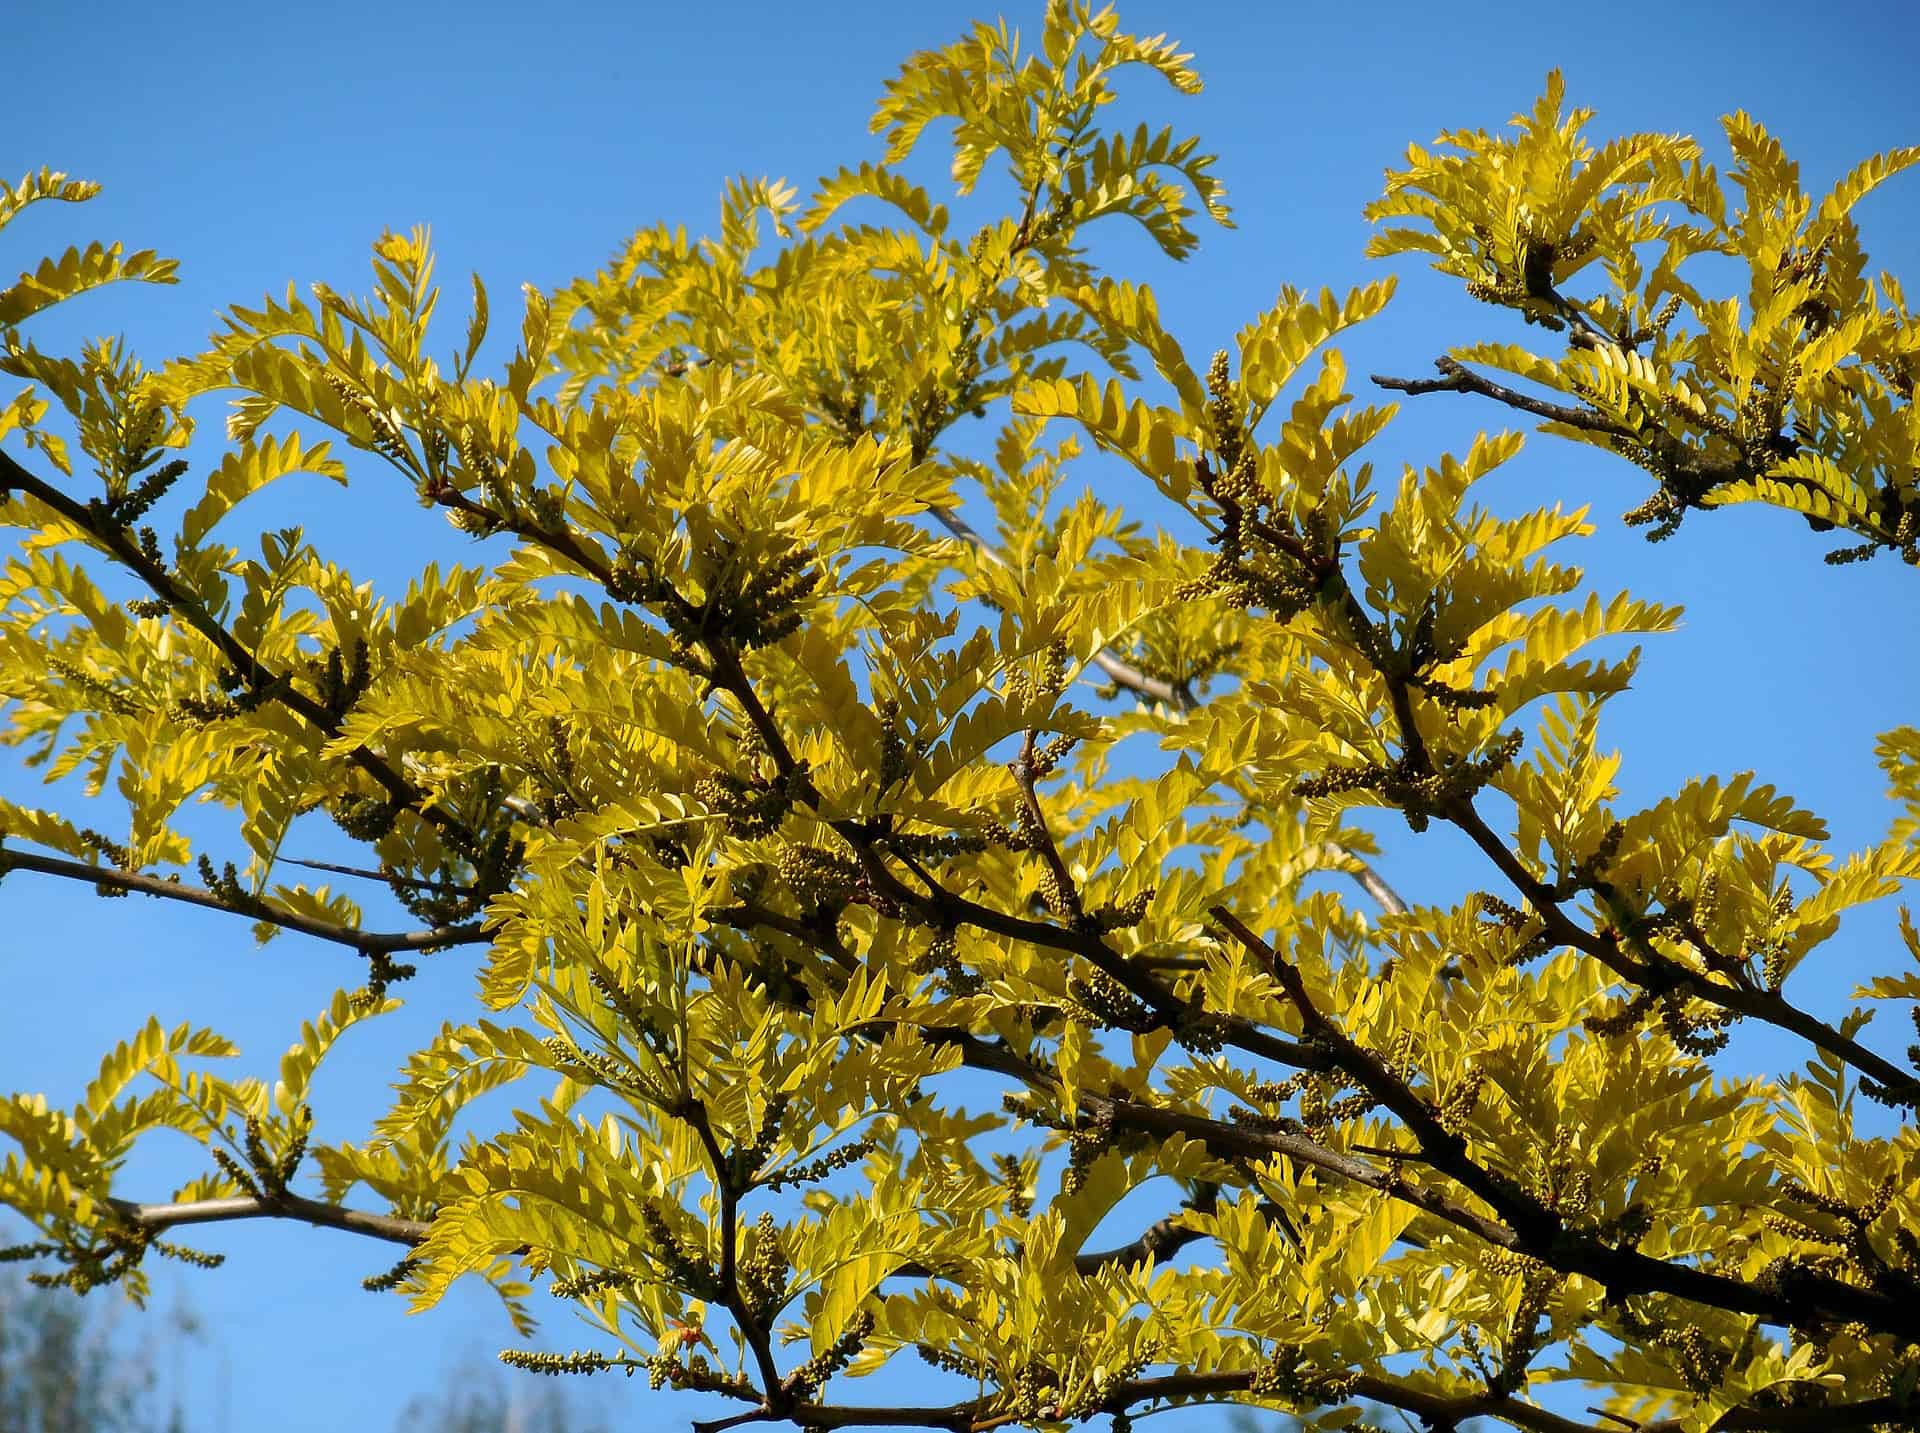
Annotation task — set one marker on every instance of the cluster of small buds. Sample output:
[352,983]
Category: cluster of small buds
[1315,1100]
[225,885]
[1851,1239]
[1529,944]
[814,1170]
[1278,1092]
[1661,513]
[947,1360]
[1086,1143]
[365,818]
[1456,1109]
[132,505]
[1419,796]
[234,1170]
[1587,872]
[941,958]
[1200,1031]
[1525,1334]
[749,1157]
[1058,896]
[546,752]
[1626,1229]
[1456,698]
[1124,915]
[1055,671]
[435,446]
[198,1258]
[1655,327]
[1622,1018]
[1223,412]
[476,455]
[632,577]
[1701,1363]
[818,878]
[1035,1390]
[556,1364]
[898,755]
[384,434]
[1809,268]
[1897,527]
[1106,1002]
[1099,1391]
[945,845]
[392,1279]
[96,1267]
[1351,1107]
[594,1281]
[275,1172]
[382,970]
[763,1269]
[1047,757]
[1700,1032]
[1290,1376]
[587,1067]
[341,681]
[105,845]
[243,694]
[754,805]
[810,1376]
[1014,1175]
[104,693]
[1567,1182]
[687,1270]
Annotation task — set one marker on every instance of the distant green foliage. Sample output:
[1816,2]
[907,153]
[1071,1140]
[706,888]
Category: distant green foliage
[480,1400]
[61,1372]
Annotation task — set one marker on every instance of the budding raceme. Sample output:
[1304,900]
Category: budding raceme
[555,1364]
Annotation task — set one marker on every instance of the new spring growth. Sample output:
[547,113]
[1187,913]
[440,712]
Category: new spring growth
[559,1363]
[1420,795]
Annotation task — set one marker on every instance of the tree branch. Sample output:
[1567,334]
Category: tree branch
[1131,678]
[365,941]
[1767,1006]
[117,544]
[157,1218]
[1532,1227]
[1436,1410]
[1458,378]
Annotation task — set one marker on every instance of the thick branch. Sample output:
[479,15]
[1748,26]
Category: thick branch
[1531,1227]
[1435,1410]
[158,1218]
[753,1331]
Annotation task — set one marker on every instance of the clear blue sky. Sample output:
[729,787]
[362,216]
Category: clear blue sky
[262,143]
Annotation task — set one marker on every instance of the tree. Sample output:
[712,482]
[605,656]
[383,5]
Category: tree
[789,809]
[60,1371]
[477,1401]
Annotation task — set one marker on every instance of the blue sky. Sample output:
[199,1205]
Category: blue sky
[263,143]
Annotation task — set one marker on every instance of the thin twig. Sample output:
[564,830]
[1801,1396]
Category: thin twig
[1458,378]
[365,941]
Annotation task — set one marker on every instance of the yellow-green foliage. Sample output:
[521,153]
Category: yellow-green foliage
[786,807]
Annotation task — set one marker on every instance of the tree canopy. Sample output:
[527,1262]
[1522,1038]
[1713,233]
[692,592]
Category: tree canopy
[801,763]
